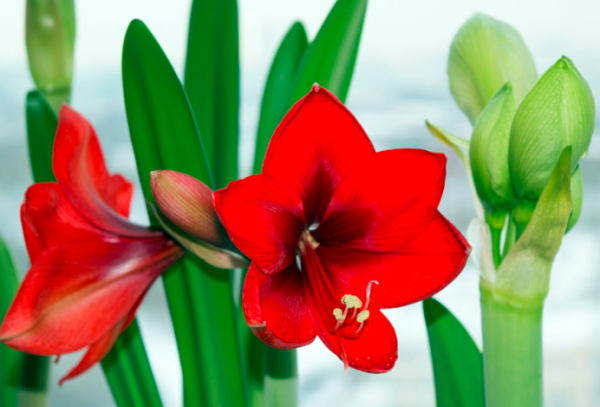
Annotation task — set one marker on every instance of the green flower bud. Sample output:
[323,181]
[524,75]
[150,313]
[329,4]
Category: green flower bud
[489,151]
[50,38]
[484,55]
[558,112]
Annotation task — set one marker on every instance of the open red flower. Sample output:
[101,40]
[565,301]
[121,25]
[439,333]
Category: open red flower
[336,232]
[91,267]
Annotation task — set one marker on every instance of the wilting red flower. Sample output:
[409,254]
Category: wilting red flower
[336,232]
[91,267]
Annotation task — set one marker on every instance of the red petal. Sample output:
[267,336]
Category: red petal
[374,350]
[48,219]
[118,193]
[75,293]
[275,310]
[96,352]
[385,203]
[264,219]
[81,172]
[188,203]
[413,273]
[317,143]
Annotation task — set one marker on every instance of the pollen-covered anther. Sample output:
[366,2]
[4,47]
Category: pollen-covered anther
[351,301]
[363,316]
[338,314]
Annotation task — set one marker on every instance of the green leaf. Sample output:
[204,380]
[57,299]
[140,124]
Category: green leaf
[524,275]
[10,360]
[559,111]
[489,150]
[277,90]
[457,362]
[41,128]
[576,196]
[128,372]
[484,55]
[212,82]
[164,136]
[329,60]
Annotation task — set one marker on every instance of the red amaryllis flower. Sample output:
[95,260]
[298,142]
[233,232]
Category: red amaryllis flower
[336,232]
[90,266]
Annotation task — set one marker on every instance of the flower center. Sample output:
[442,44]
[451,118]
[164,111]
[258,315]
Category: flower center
[344,321]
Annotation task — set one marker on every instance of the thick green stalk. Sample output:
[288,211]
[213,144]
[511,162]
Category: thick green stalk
[33,386]
[512,353]
[253,361]
[281,382]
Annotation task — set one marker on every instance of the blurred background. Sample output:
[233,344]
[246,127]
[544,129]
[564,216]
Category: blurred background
[399,81]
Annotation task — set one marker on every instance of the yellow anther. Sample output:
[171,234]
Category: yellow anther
[338,314]
[351,301]
[362,316]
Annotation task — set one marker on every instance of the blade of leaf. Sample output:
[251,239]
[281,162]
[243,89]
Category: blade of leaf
[128,371]
[41,128]
[10,360]
[457,362]
[277,90]
[329,60]
[212,82]
[164,136]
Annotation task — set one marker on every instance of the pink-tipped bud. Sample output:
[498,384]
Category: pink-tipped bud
[188,203]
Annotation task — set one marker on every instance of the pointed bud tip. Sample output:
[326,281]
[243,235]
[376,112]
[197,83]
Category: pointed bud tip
[315,87]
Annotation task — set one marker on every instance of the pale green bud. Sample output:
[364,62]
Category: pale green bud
[50,38]
[489,151]
[484,55]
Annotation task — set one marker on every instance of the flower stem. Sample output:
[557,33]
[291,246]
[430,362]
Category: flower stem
[281,382]
[512,353]
[253,360]
[33,384]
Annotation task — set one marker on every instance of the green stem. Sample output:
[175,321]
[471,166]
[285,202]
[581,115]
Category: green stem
[512,353]
[495,219]
[128,372]
[253,360]
[33,386]
[281,382]
[496,239]
[511,236]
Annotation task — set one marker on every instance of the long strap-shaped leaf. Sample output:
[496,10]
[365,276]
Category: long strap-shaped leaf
[10,360]
[164,136]
[457,362]
[275,98]
[212,82]
[330,58]
[126,367]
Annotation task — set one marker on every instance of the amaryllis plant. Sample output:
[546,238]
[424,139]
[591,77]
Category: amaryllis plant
[324,235]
